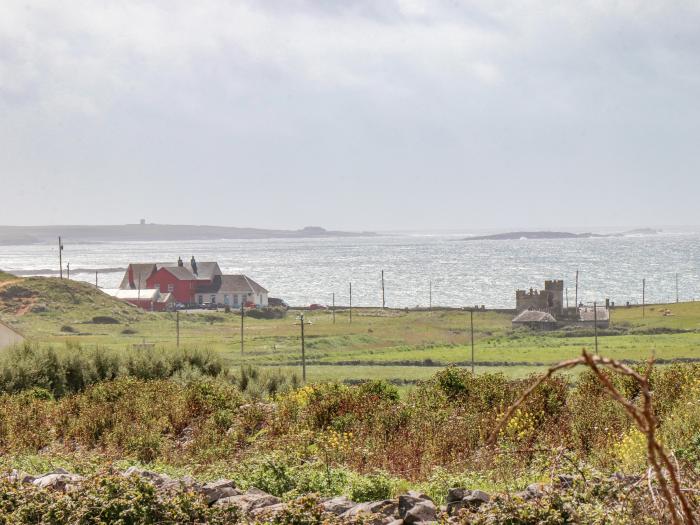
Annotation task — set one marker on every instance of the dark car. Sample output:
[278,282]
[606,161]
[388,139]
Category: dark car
[277,302]
[210,306]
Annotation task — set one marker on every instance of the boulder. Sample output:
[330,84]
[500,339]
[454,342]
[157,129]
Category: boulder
[154,477]
[380,510]
[476,498]
[252,500]
[410,500]
[216,490]
[456,494]
[59,479]
[421,512]
[337,505]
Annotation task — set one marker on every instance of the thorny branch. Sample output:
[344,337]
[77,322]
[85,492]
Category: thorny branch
[665,471]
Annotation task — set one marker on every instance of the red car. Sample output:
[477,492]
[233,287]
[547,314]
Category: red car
[317,307]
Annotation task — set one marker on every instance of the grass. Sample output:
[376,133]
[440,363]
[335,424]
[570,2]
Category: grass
[399,345]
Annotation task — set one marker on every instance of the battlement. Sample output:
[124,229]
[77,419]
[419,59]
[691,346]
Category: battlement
[554,285]
[551,299]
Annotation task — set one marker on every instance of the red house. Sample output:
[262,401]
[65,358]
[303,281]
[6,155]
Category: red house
[181,280]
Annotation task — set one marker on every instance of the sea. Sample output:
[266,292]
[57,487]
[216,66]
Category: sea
[419,268]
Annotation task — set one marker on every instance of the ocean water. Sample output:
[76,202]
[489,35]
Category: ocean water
[305,271]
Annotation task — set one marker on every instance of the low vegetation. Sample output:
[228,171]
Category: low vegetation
[365,441]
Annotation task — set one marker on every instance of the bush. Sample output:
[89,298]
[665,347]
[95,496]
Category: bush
[104,319]
[267,312]
[372,487]
[68,329]
[74,368]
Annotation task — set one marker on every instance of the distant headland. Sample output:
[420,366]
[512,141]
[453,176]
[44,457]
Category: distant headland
[21,235]
[557,235]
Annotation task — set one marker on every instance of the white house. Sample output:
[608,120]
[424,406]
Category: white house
[9,336]
[233,291]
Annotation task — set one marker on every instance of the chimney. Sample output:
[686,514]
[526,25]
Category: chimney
[193,263]
[179,262]
[131,276]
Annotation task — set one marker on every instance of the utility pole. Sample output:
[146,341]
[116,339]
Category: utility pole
[242,316]
[383,298]
[303,348]
[576,296]
[177,328]
[96,279]
[333,308]
[471,325]
[676,288]
[68,271]
[350,303]
[60,257]
[430,295]
[567,301]
[644,286]
[595,325]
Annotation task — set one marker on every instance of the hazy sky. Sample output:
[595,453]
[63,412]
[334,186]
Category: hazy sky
[373,114]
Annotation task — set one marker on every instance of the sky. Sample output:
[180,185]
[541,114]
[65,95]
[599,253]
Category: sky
[354,115]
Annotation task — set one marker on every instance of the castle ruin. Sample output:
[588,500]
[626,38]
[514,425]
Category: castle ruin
[550,300]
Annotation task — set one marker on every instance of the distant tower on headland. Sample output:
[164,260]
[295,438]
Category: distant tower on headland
[142,222]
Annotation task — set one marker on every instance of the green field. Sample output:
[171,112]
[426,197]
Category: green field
[403,346]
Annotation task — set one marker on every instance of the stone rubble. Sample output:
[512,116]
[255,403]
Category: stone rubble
[411,508]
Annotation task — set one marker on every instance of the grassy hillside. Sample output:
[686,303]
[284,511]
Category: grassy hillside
[403,346]
[41,306]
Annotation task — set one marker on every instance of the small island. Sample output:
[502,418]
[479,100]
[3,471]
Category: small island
[539,235]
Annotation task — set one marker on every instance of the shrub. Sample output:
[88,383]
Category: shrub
[267,312]
[104,319]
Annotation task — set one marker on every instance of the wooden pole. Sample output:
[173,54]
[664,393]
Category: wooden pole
[595,325]
[383,298]
[68,271]
[350,303]
[333,307]
[471,324]
[242,316]
[644,286]
[60,257]
[430,295]
[576,296]
[96,280]
[676,288]
[567,301]
[303,351]
[177,328]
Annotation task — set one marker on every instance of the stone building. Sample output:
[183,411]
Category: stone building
[550,300]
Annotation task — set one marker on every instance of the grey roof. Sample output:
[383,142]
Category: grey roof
[586,314]
[534,316]
[232,284]
[205,270]
[142,271]
[180,272]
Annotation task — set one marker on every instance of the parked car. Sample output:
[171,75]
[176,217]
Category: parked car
[277,302]
[210,306]
[316,306]
[249,304]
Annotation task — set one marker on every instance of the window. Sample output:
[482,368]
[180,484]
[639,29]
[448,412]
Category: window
[171,288]
[213,299]
[200,299]
[226,299]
